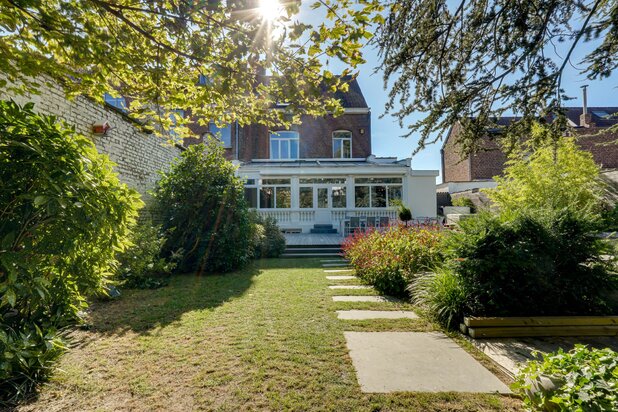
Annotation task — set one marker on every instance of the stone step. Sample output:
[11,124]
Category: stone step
[307,255]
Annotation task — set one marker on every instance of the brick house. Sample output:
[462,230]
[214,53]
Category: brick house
[322,171]
[466,173]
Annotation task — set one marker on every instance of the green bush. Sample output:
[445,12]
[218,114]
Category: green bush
[546,263]
[141,264]
[610,219]
[556,176]
[204,212]
[268,241]
[465,202]
[63,216]
[389,260]
[441,295]
[580,380]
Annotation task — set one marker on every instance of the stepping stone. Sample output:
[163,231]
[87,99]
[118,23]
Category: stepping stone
[364,299]
[337,270]
[375,314]
[418,362]
[350,287]
[332,265]
[340,277]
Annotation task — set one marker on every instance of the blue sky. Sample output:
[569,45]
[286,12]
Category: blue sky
[386,140]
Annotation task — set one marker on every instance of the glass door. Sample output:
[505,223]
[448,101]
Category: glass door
[322,204]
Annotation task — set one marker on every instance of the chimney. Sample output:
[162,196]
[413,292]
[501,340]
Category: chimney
[585,119]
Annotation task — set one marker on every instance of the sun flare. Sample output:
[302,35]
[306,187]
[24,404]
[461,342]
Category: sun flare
[270,9]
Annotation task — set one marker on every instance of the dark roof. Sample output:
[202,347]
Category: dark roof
[601,116]
[353,97]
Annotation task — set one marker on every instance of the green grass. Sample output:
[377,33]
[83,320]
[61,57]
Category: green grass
[266,338]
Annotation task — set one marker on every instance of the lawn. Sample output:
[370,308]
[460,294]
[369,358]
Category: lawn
[266,338]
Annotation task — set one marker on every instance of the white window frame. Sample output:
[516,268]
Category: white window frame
[119,103]
[376,182]
[279,139]
[342,140]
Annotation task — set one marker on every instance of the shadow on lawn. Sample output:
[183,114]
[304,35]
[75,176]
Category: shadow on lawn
[143,310]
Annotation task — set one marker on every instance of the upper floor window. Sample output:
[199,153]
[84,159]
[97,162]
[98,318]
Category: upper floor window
[117,102]
[342,144]
[284,145]
[224,134]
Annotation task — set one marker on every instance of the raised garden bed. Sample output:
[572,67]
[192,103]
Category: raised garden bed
[496,327]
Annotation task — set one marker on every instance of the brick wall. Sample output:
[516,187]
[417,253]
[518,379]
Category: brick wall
[489,162]
[454,167]
[138,155]
[316,135]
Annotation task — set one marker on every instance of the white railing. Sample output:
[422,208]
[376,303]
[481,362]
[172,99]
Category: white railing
[307,216]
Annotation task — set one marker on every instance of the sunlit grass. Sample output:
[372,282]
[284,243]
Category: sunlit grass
[266,338]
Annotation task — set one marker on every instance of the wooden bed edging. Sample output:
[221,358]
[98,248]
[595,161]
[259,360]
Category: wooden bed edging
[536,326]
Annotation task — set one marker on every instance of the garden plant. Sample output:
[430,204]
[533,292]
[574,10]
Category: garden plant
[63,216]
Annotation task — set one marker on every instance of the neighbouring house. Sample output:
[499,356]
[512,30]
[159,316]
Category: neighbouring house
[465,175]
[322,172]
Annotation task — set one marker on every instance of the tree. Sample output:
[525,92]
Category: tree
[557,176]
[203,211]
[471,61]
[204,57]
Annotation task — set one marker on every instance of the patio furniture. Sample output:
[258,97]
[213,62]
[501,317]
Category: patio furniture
[353,225]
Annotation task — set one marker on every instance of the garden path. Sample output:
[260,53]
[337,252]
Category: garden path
[388,362]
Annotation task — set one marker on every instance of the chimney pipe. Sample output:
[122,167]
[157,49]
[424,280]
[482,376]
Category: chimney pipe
[585,120]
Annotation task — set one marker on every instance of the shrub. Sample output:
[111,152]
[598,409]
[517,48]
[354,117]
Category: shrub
[404,213]
[441,294]
[546,263]
[556,176]
[141,264]
[388,260]
[273,242]
[204,213]
[465,202]
[610,219]
[63,215]
[580,380]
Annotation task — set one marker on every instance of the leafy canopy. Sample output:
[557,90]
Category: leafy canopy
[154,52]
[471,61]
[555,176]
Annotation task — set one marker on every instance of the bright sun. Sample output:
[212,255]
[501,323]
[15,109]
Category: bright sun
[270,9]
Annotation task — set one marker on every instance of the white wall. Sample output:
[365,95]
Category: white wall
[421,196]
[138,155]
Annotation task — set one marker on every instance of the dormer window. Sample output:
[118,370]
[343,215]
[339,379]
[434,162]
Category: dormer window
[284,145]
[117,102]
[342,144]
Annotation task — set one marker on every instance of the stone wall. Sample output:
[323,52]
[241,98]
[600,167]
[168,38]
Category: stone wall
[138,155]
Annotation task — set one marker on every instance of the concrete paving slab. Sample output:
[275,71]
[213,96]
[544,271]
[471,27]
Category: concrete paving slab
[375,314]
[364,299]
[350,287]
[337,270]
[417,361]
[340,277]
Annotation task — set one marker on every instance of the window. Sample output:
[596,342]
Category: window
[306,197]
[338,196]
[117,102]
[251,193]
[275,194]
[284,145]
[342,144]
[223,134]
[322,180]
[377,192]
